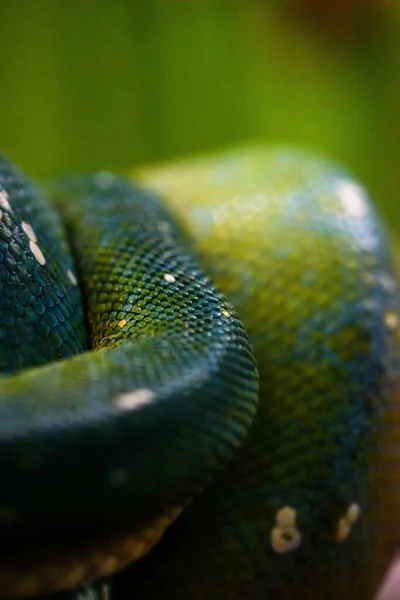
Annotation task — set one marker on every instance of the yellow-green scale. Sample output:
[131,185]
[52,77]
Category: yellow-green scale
[309,506]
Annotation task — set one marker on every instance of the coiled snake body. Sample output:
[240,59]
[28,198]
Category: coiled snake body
[131,397]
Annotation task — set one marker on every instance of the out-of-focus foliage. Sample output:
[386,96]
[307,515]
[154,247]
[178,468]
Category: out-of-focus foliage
[110,83]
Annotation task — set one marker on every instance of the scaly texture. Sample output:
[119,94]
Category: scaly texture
[309,506]
[99,452]
[41,308]
[306,505]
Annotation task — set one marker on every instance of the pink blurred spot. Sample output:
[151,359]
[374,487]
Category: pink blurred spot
[390,589]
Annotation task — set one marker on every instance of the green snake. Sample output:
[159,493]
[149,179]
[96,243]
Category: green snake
[146,432]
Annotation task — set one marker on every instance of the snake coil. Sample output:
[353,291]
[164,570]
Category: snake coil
[130,400]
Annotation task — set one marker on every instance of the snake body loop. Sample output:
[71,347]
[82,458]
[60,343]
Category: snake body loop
[94,446]
[145,406]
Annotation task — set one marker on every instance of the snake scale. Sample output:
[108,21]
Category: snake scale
[145,431]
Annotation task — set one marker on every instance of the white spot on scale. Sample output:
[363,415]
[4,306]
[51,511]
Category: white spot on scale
[4,201]
[71,277]
[353,199]
[1,215]
[353,513]
[346,523]
[391,320]
[136,399]
[29,231]
[286,517]
[343,530]
[285,541]
[285,536]
[37,253]
[104,180]
[169,278]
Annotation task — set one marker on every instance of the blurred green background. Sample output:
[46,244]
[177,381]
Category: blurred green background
[113,83]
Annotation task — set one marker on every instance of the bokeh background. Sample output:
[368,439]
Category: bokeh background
[89,84]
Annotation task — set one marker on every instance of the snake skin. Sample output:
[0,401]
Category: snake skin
[98,452]
[306,503]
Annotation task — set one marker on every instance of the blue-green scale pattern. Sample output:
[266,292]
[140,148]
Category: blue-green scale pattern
[63,430]
[297,247]
[40,309]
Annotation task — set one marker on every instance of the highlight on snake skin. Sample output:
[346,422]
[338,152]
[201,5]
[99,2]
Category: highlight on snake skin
[199,389]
